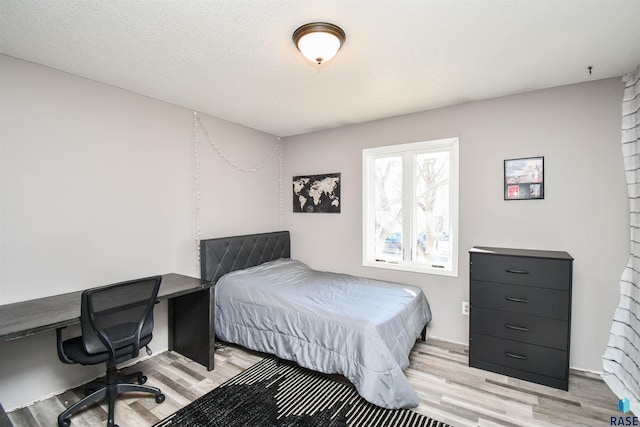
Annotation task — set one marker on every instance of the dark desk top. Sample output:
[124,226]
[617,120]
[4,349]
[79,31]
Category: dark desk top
[29,317]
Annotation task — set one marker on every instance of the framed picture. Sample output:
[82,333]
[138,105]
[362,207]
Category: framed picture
[524,178]
[317,193]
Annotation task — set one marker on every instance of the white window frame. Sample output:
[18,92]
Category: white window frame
[409,151]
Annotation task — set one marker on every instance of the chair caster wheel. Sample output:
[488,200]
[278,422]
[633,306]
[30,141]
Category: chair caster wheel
[160,398]
[64,423]
[142,379]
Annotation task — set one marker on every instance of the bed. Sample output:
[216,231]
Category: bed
[360,328]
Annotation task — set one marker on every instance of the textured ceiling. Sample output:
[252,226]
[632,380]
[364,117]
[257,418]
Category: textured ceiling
[234,59]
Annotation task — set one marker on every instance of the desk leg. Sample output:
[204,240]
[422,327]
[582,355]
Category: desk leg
[191,326]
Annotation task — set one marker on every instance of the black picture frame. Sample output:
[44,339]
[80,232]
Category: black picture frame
[524,178]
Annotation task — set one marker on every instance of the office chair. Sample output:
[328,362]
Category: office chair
[116,321]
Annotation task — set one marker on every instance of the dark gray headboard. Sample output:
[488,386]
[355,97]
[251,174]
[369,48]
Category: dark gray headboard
[226,254]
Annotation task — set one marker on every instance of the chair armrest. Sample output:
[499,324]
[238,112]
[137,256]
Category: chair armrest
[61,354]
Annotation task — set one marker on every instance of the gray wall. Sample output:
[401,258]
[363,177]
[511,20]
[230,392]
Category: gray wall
[585,211]
[96,186]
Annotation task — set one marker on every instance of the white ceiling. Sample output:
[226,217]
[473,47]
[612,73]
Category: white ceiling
[234,59]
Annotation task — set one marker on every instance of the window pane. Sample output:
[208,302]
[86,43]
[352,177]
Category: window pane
[432,227]
[388,208]
[410,207]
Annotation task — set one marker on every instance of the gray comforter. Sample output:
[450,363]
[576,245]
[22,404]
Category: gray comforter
[333,323]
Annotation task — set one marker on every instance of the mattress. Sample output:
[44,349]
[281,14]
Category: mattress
[360,328]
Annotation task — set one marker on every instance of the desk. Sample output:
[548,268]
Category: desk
[191,311]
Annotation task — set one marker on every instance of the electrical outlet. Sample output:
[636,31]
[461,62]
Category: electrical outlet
[465,308]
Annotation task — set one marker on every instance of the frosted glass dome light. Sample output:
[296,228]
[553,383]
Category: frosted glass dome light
[319,41]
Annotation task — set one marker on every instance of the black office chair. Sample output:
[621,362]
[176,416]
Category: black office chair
[116,321]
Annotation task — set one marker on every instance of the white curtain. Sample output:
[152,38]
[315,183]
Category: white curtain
[621,360]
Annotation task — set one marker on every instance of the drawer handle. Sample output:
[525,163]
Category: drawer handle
[515,355]
[517,328]
[509,270]
[513,299]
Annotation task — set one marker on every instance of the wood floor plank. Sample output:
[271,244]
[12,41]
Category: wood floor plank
[449,391]
[23,418]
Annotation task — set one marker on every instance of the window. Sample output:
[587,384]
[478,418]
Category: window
[410,207]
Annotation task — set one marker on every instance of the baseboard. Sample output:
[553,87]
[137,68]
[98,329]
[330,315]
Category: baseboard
[586,372]
[431,337]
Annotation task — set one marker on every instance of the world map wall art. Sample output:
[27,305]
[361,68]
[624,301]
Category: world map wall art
[317,193]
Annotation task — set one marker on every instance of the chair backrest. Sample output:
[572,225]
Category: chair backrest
[118,315]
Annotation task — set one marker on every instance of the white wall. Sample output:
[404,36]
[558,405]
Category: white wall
[96,186]
[585,211]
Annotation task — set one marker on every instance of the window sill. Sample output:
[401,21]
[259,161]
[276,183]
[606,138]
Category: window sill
[412,268]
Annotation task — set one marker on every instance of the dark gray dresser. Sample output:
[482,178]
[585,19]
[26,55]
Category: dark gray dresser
[520,319]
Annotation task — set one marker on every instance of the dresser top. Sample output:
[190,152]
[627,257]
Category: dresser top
[531,253]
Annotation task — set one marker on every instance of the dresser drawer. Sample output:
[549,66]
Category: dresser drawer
[521,356]
[521,299]
[539,272]
[520,327]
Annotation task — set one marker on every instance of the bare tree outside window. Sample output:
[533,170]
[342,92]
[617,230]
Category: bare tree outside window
[432,191]
[388,206]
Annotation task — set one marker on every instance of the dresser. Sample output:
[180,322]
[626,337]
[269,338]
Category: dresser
[520,313]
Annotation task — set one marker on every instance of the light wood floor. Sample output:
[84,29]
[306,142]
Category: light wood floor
[449,391]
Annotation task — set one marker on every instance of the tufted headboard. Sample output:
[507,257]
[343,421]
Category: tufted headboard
[226,254]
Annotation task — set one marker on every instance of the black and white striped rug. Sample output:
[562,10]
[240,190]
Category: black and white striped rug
[274,392]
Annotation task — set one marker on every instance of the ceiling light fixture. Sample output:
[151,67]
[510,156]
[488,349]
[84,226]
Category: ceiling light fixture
[319,41]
